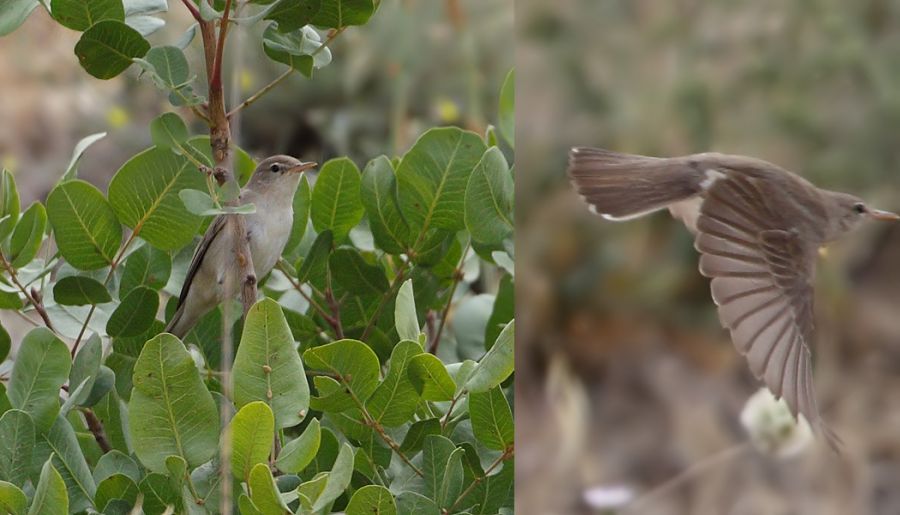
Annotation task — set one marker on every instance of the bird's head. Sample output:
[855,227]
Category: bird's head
[278,173]
[849,211]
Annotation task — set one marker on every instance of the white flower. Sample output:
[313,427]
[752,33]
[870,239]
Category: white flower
[772,427]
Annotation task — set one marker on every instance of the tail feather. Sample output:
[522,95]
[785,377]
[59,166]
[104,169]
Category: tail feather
[175,326]
[624,186]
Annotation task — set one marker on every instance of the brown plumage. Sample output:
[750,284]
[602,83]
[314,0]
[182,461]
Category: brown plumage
[758,228]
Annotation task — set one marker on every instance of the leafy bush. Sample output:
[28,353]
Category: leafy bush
[346,391]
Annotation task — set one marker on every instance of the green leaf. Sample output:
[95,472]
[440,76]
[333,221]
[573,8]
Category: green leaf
[159,495]
[335,199]
[107,48]
[342,13]
[351,272]
[299,452]
[412,503]
[405,318]
[87,231]
[301,49]
[430,378]
[134,314]
[489,199]
[252,430]
[394,401]
[263,491]
[146,266]
[315,265]
[50,494]
[12,499]
[170,69]
[27,237]
[372,500]
[351,360]
[10,300]
[14,13]
[144,195]
[492,420]
[338,479]
[497,364]
[61,443]
[86,367]
[116,486]
[41,367]
[302,201]
[80,148]
[77,290]
[81,14]
[379,197]
[168,390]
[16,446]
[169,131]
[442,466]
[432,178]
[507,115]
[9,194]
[293,14]
[267,367]
[415,437]
[116,462]
[243,163]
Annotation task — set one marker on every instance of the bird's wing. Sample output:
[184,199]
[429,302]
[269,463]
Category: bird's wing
[762,274]
[199,253]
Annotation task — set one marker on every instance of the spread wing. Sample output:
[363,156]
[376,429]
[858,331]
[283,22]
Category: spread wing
[762,282]
[199,253]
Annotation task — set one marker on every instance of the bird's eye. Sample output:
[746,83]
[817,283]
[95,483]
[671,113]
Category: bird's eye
[859,207]
[275,167]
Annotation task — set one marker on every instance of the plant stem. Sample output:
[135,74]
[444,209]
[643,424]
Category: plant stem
[312,302]
[335,308]
[457,276]
[96,428]
[395,286]
[450,409]
[38,305]
[507,454]
[193,9]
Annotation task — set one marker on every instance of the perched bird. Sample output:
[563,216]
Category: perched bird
[271,189]
[758,229]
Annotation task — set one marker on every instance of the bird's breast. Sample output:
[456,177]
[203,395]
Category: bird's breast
[268,233]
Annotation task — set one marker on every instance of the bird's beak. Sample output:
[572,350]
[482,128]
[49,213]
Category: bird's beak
[302,167]
[885,216]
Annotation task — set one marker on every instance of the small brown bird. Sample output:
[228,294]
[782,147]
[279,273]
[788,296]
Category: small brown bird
[758,228]
[271,189]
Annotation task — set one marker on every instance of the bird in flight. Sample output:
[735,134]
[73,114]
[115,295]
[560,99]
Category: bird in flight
[758,228]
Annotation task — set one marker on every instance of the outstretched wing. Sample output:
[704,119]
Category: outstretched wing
[762,274]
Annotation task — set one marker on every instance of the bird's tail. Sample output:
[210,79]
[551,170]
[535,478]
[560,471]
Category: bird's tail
[177,325]
[625,186]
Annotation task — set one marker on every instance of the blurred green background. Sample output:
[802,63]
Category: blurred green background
[625,377]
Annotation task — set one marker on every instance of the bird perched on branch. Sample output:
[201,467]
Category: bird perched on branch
[271,189]
[758,229]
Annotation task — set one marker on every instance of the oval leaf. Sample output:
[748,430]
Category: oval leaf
[492,420]
[16,446]
[42,366]
[168,390]
[267,366]
[76,290]
[107,48]
[144,195]
[489,199]
[252,430]
[354,363]
[379,197]
[81,14]
[372,500]
[430,378]
[135,314]
[497,364]
[299,452]
[335,199]
[26,238]
[50,494]
[405,317]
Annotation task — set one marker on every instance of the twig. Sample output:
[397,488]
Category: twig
[395,286]
[507,454]
[194,11]
[457,277]
[220,45]
[312,302]
[450,409]
[335,308]
[96,428]
[36,302]
[265,89]
[112,269]
[639,505]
